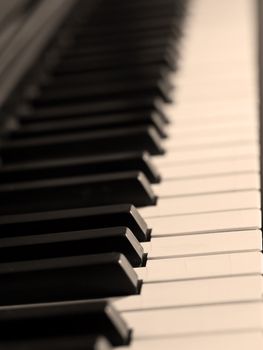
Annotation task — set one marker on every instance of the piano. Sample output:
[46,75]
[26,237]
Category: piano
[130,177]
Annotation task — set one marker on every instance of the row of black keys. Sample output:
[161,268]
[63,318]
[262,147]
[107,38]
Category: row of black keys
[127,122]
[58,268]
[78,139]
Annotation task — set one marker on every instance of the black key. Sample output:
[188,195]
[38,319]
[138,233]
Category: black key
[91,109]
[71,319]
[151,71]
[75,220]
[75,66]
[111,163]
[59,343]
[36,128]
[69,278]
[76,192]
[85,93]
[74,243]
[158,25]
[108,48]
[87,143]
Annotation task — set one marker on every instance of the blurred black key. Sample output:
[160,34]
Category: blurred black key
[80,65]
[74,243]
[73,220]
[88,92]
[59,343]
[112,163]
[105,107]
[36,128]
[107,48]
[69,319]
[151,71]
[76,192]
[89,143]
[69,278]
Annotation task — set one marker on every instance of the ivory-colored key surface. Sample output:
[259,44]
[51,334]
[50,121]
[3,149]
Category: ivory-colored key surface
[204,266]
[219,139]
[201,244]
[206,131]
[205,222]
[204,169]
[193,292]
[231,182]
[220,152]
[201,203]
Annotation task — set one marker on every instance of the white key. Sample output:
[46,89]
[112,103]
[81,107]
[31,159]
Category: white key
[232,182]
[201,203]
[193,292]
[206,222]
[222,152]
[236,341]
[211,243]
[179,143]
[201,267]
[242,108]
[203,319]
[212,131]
[212,168]
[218,92]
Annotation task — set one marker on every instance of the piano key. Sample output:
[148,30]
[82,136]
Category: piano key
[151,71]
[84,93]
[69,278]
[109,163]
[190,141]
[75,219]
[223,183]
[205,222]
[218,341]
[60,343]
[32,322]
[180,293]
[215,153]
[76,192]
[200,267]
[214,130]
[152,56]
[201,203]
[144,24]
[107,48]
[202,244]
[73,243]
[41,128]
[239,109]
[90,109]
[210,168]
[88,143]
[218,92]
[210,319]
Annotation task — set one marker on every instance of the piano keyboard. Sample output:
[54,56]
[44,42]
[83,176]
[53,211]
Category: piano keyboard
[130,211]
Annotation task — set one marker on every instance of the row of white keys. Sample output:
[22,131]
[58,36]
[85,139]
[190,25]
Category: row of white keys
[202,284]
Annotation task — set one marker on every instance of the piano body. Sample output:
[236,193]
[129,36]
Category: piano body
[130,178]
